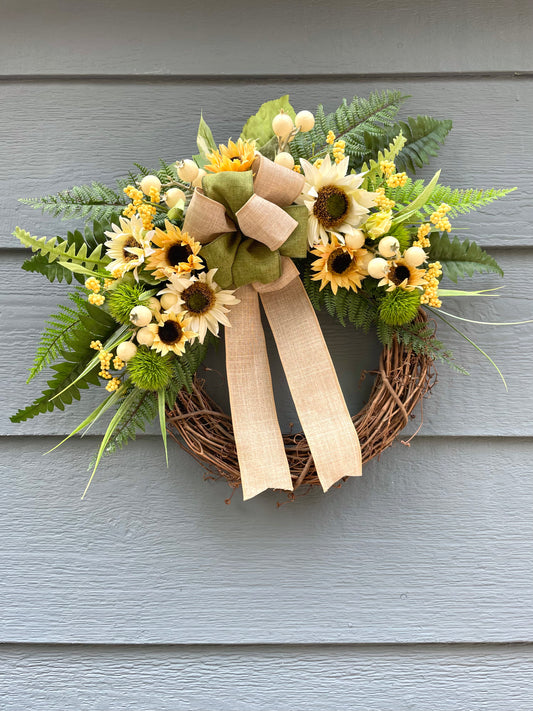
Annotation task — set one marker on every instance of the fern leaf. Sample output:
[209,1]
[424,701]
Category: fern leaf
[460,201]
[372,170]
[461,258]
[95,201]
[423,135]
[140,412]
[64,251]
[350,121]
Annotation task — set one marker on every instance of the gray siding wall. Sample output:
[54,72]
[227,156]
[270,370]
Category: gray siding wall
[408,589]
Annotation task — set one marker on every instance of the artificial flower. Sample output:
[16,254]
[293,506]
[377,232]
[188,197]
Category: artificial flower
[334,200]
[177,252]
[339,265]
[402,276]
[202,300]
[171,333]
[378,224]
[233,157]
[128,246]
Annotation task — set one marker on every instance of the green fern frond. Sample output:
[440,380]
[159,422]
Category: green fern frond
[391,152]
[423,135]
[461,258]
[95,201]
[140,412]
[68,336]
[460,201]
[72,255]
[93,236]
[351,122]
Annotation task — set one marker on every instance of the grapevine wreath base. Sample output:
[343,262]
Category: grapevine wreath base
[205,431]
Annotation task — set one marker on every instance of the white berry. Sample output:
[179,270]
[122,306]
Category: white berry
[378,267]
[282,125]
[197,182]
[304,121]
[388,246]
[414,256]
[145,336]
[154,304]
[364,261]
[173,196]
[188,170]
[168,301]
[140,316]
[149,182]
[355,240]
[285,159]
[126,350]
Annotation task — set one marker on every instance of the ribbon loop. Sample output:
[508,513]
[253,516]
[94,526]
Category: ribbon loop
[265,222]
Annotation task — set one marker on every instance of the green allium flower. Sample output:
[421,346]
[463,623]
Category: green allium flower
[398,307]
[149,370]
[122,299]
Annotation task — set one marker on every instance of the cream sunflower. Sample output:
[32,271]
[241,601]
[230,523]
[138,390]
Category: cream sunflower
[128,246]
[339,265]
[403,276]
[171,333]
[334,200]
[233,157]
[177,252]
[202,300]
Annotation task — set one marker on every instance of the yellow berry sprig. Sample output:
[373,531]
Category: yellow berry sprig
[382,201]
[105,358]
[439,219]
[94,286]
[422,239]
[338,151]
[431,289]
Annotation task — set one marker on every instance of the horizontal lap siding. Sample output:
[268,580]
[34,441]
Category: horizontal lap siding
[275,38]
[381,585]
[484,678]
[432,544]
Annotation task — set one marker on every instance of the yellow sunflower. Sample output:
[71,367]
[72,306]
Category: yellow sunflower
[171,333]
[177,253]
[403,276]
[235,156]
[339,265]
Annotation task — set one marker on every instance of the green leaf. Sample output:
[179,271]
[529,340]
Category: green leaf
[162,419]
[204,140]
[461,258]
[413,207]
[68,253]
[96,201]
[424,136]
[352,122]
[389,153]
[259,126]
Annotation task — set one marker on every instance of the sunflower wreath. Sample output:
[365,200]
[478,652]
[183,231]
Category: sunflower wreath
[304,212]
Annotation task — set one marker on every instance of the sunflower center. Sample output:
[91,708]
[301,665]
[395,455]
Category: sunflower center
[170,332]
[399,274]
[198,298]
[130,242]
[339,261]
[331,206]
[178,253]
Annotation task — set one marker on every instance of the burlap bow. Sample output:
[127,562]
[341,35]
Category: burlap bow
[250,229]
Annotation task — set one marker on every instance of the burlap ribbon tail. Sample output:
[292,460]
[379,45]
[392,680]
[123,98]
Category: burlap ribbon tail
[250,230]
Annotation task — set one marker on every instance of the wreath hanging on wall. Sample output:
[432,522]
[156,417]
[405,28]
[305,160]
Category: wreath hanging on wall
[303,212]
